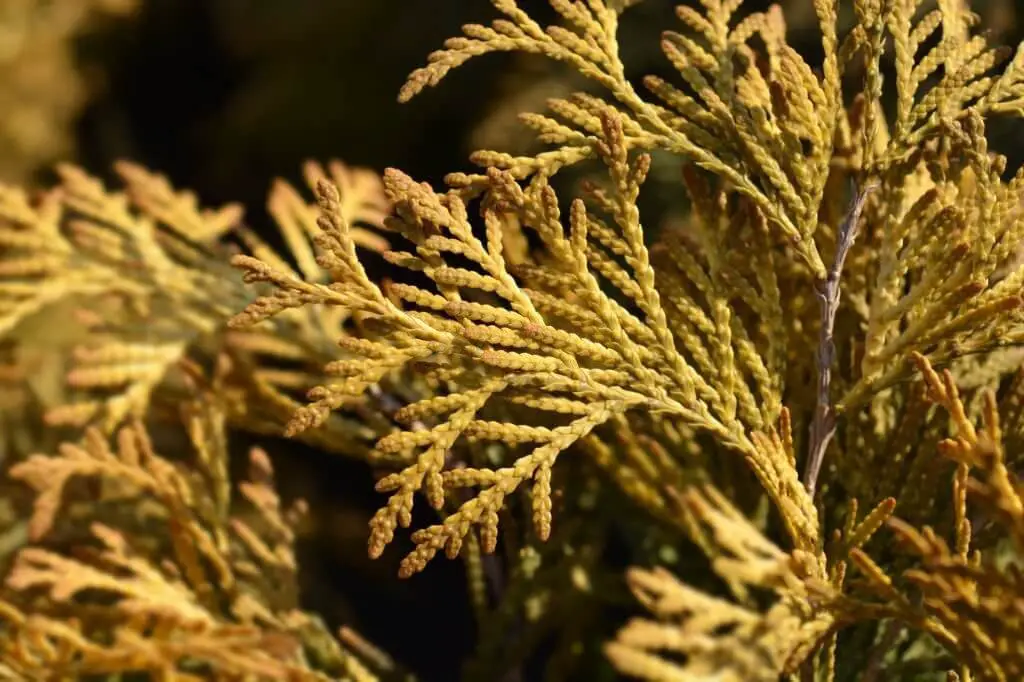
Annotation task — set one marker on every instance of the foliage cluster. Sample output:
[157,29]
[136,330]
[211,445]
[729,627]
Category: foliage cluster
[43,88]
[798,407]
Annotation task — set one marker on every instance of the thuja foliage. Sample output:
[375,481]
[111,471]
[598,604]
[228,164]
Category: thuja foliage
[797,409]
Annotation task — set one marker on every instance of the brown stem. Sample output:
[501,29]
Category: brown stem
[824,425]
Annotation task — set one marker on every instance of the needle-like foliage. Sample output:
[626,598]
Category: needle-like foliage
[719,397]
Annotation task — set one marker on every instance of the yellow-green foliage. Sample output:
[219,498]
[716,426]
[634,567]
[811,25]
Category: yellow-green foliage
[833,326]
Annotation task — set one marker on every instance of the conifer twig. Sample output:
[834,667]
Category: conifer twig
[824,425]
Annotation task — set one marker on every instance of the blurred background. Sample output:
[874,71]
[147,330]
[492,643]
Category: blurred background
[225,95]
